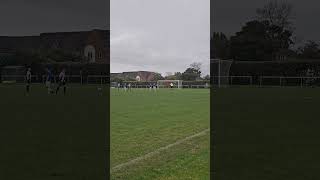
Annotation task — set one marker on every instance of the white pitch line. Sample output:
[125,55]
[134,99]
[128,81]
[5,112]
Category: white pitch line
[135,160]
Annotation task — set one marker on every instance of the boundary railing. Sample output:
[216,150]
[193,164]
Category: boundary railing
[225,81]
[232,80]
[133,85]
[17,78]
[72,79]
[266,81]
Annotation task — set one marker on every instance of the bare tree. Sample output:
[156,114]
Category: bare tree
[278,13]
[196,66]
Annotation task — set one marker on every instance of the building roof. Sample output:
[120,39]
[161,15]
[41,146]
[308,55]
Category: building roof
[65,40]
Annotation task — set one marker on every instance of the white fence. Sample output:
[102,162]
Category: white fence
[217,81]
[165,87]
[73,79]
[232,80]
[283,81]
[17,78]
[146,85]
[265,81]
[96,79]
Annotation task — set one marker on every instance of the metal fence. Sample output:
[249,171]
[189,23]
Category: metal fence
[72,79]
[232,80]
[17,78]
[185,84]
[216,81]
[266,81]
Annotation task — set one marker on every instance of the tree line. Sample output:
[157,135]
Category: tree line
[268,36]
[192,73]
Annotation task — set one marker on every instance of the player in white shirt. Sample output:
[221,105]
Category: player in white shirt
[125,86]
[154,86]
[28,79]
[171,85]
[119,86]
[129,86]
[62,82]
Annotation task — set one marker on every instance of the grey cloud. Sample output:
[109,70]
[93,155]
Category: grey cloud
[162,36]
[22,17]
[229,15]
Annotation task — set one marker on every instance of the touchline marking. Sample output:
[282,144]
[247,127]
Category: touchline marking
[133,161]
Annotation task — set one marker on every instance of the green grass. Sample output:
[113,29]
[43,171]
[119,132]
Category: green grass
[47,137]
[266,133]
[143,121]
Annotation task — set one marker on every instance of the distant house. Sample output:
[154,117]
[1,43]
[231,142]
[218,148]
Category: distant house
[92,46]
[134,76]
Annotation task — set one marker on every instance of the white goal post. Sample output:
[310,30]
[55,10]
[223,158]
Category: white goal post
[166,83]
[220,69]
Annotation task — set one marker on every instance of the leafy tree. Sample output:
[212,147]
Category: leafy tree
[178,75]
[251,43]
[192,73]
[171,77]
[267,36]
[207,77]
[219,44]
[310,50]
[116,79]
[175,76]
[259,41]
[157,76]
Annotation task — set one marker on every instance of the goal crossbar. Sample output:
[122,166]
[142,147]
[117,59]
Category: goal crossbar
[166,83]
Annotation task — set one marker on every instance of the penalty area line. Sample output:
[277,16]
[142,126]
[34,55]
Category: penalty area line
[148,155]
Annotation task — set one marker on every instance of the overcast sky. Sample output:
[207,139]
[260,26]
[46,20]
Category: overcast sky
[32,17]
[159,35]
[230,15]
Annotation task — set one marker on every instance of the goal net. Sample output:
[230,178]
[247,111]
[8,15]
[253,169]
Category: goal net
[220,72]
[167,83]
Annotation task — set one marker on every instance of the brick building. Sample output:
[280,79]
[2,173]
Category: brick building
[92,46]
[134,75]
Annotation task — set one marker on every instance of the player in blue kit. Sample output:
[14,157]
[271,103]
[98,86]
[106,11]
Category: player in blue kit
[49,80]
[28,80]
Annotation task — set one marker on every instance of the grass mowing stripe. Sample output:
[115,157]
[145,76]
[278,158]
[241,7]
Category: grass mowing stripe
[133,161]
[143,121]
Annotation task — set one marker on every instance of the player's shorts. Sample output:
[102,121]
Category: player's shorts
[29,81]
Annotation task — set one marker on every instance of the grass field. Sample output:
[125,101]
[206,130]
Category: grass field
[261,133]
[144,121]
[48,137]
[266,133]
